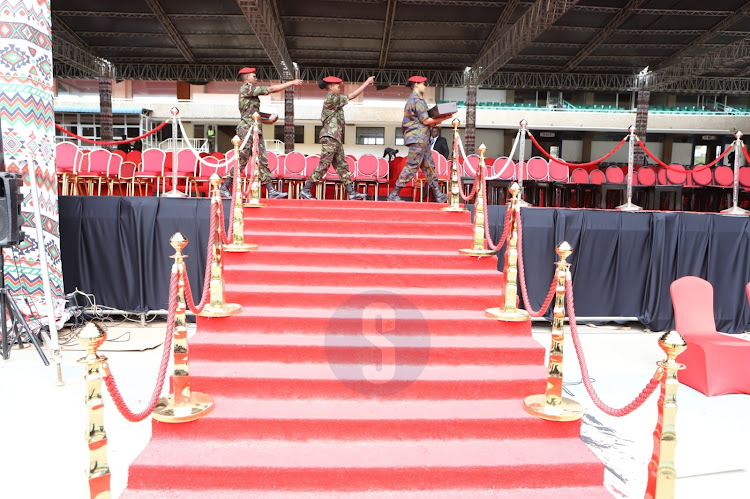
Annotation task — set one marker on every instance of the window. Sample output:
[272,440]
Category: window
[399,136]
[370,136]
[320,127]
[299,133]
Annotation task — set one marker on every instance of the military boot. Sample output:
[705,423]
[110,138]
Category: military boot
[305,192]
[393,196]
[272,193]
[440,197]
[352,194]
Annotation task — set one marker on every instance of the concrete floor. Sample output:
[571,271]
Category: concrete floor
[44,452]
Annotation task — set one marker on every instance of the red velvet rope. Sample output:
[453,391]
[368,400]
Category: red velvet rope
[247,192]
[506,226]
[639,400]
[112,143]
[522,277]
[744,151]
[577,165]
[197,309]
[225,238]
[669,167]
[109,379]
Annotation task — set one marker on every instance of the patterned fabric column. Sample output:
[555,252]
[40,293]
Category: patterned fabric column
[471,119]
[105,110]
[289,120]
[28,128]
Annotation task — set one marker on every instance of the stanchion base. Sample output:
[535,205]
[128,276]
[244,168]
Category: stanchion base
[457,208]
[735,211]
[174,193]
[225,311]
[201,404]
[254,204]
[517,315]
[99,487]
[479,253]
[568,410]
[629,207]
[239,248]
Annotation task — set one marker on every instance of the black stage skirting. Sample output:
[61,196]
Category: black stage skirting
[623,263]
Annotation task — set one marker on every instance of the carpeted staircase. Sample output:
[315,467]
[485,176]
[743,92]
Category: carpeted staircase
[362,365]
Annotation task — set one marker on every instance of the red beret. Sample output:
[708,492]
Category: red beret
[332,79]
[246,70]
[417,79]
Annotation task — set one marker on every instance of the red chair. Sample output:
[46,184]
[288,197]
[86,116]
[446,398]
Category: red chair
[151,172]
[295,172]
[715,364]
[187,165]
[113,173]
[597,177]
[383,177]
[332,178]
[724,178]
[207,167]
[67,162]
[125,180]
[367,173]
[96,173]
[135,157]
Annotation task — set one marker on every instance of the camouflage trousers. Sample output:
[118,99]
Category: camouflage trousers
[419,157]
[331,151]
[247,153]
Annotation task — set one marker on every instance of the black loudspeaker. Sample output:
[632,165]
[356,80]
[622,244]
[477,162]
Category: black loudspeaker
[11,220]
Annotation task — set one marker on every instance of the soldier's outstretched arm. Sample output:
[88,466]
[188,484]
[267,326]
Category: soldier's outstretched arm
[283,86]
[361,88]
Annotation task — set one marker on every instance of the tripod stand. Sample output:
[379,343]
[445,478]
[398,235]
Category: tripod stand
[9,310]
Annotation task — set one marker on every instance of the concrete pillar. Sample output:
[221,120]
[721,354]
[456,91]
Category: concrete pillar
[289,120]
[105,110]
[471,119]
[586,147]
[26,91]
[588,98]
[666,151]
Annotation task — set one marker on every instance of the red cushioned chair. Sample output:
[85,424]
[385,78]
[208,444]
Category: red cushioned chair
[67,161]
[613,189]
[537,187]
[668,191]
[295,172]
[151,171]
[643,193]
[724,178]
[366,173]
[715,363]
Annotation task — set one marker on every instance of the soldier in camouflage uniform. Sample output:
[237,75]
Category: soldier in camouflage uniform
[332,137]
[249,103]
[416,128]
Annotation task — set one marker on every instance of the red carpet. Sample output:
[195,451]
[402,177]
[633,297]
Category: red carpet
[423,394]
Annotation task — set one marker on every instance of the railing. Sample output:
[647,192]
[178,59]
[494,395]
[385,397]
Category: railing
[275,146]
[200,145]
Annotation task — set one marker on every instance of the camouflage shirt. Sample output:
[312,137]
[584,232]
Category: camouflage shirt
[415,111]
[332,116]
[249,102]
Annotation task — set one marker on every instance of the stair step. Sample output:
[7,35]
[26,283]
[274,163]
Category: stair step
[326,419]
[334,275]
[593,492]
[365,258]
[258,221]
[419,299]
[315,380]
[367,465]
[354,241]
[279,319]
[358,349]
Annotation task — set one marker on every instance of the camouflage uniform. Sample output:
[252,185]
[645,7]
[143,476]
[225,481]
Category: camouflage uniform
[417,137]
[249,104]
[331,138]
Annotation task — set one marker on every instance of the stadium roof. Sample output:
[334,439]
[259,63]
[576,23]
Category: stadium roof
[690,46]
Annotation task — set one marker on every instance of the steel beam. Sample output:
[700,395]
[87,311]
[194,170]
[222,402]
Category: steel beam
[82,61]
[532,23]
[500,24]
[264,20]
[623,15]
[171,31]
[390,15]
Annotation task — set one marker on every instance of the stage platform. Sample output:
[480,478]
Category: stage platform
[623,263]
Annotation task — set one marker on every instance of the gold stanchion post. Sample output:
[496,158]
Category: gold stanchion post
[454,202]
[552,405]
[254,199]
[509,311]
[238,220]
[217,307]
[662,473]
[182,404]
[92,337]
[479,247]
